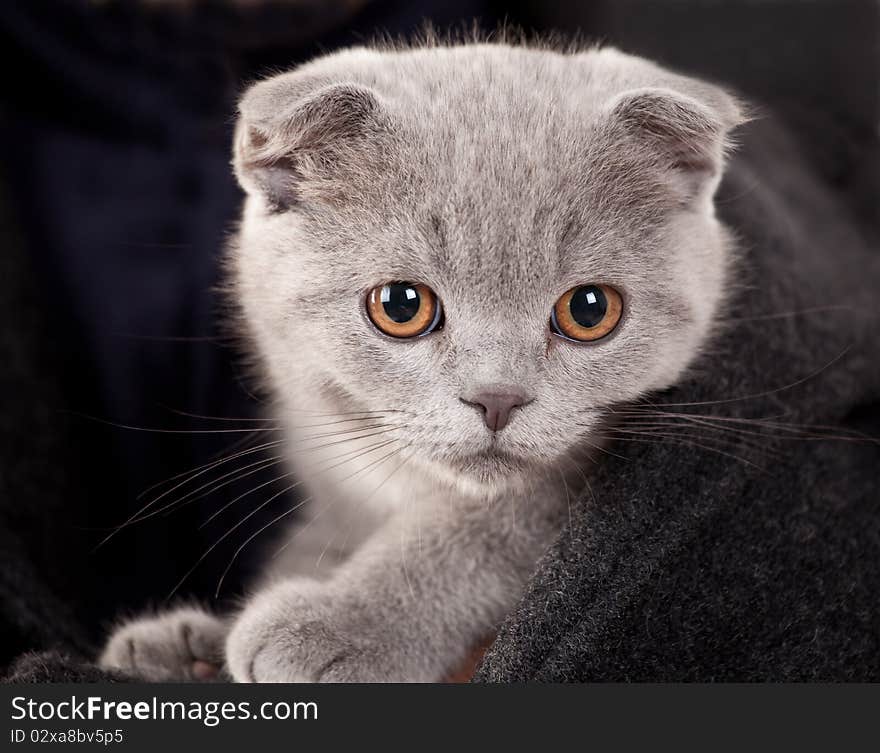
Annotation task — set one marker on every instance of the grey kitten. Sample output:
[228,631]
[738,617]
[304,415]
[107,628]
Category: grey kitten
[460,258]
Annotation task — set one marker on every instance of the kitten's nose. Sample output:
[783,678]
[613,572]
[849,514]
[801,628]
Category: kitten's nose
[496,405]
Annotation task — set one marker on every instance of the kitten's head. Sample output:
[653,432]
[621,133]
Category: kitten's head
[493,244]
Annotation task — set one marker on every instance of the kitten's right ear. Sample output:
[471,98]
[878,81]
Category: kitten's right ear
[684,133]
[296,137]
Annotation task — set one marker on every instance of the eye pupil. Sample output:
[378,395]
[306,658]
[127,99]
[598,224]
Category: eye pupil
[586,313]
[404,309]
[400,301]
[588,306]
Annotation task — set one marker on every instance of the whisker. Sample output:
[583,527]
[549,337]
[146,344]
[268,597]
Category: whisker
[238,442]
[567,498]
[342,432]
[324,551]
[304,527]
[403,537]
[574,464]
[239,380]
[685,439]
[727,437]
[257,488]
[343,441]
[268,525]
[744,436]
[203,417]
[229,532]
[361,450]
[769,422]
[237,475]
[766,393]
[209,465]
[594,446]
[341,421]
[331,414]
[789,314]
[139,514]
[254,535]
[217,464]
[150,430]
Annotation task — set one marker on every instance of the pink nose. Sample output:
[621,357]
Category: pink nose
[497,405]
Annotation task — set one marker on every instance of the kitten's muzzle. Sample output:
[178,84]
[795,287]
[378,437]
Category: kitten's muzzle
[496,405]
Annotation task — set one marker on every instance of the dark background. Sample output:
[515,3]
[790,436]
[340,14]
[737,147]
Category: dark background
[115,201]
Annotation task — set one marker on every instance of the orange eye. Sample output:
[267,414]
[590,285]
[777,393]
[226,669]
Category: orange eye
[404,309]
[586,313]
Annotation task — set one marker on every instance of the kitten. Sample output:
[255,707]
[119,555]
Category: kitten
[454,261]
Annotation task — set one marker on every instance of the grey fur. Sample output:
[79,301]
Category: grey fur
[501,177]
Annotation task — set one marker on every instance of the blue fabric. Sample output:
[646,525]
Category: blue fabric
[116,145]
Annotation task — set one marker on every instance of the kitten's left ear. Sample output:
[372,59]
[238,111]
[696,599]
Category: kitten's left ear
[683,134]
[301,137]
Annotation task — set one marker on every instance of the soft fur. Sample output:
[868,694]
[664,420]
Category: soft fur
[500,176]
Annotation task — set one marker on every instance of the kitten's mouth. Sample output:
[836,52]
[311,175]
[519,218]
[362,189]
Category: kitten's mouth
[489,461]
[493,452]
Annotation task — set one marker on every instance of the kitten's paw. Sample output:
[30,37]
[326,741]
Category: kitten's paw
[185,644]
[307,632]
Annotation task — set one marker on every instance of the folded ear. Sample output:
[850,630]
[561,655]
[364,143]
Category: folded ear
[679,133]
[296,138]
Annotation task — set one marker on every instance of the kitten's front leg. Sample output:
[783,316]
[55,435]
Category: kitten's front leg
[187,643]
[182,644]
[409,606]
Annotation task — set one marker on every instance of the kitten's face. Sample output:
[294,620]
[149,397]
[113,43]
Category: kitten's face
[500,198]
